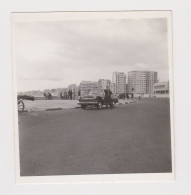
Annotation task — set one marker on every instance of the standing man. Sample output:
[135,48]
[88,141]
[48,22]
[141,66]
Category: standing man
[127,96]
[108,99]
[132,96]
[61,96]
[71,94]
[65,96]
[45,95]
[74,94]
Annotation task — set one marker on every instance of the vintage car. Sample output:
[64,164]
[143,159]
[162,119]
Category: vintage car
[95,98]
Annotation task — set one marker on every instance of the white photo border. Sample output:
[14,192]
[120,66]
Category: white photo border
[103,178]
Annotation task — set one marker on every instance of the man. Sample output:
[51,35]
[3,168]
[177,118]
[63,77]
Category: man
[69,94]
[127,95]
[108,99]
[132,96]
[61,96]
[45,96]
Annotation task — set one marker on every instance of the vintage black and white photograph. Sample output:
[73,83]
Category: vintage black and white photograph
[93,94]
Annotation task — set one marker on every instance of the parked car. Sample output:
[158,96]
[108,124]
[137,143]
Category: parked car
[95,98]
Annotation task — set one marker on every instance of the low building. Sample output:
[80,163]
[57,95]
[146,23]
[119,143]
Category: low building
[161,88]
[86,86]
[103,83]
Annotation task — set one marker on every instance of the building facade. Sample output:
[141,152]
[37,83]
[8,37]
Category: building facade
[119,80]
[112,87]
[103,83]
[161,88]
[142,82]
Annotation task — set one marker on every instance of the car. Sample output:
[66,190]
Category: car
[95,98]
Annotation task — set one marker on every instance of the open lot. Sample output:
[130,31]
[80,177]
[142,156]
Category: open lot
[132,138]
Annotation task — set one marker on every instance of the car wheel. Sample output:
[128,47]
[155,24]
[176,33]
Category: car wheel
[99,106]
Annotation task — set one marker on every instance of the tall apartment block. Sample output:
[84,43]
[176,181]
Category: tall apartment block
[119,82]
[142,82]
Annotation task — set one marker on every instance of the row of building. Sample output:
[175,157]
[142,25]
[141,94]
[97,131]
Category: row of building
[137,82]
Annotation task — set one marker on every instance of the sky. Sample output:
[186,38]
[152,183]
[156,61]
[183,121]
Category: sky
[58,53]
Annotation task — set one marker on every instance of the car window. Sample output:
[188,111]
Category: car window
[96,92]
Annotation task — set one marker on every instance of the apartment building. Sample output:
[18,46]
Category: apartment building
[119,80]
[142,82]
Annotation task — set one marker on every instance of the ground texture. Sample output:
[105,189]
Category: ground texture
[131,138]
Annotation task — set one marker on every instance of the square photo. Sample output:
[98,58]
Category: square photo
[93,96]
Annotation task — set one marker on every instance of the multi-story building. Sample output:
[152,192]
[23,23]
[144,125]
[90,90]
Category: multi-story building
[86,86]
[119,79]
[161,88]
[112,87]
[103,83]
[142,82]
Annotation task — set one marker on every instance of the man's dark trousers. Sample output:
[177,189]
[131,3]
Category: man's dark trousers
[108,99]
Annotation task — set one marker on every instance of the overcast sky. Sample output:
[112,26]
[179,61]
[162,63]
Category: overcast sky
[56,54]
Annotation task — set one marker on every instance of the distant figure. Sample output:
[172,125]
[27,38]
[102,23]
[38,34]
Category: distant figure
[61,96]
[127,95]
[108,100]
[65,95]
[70,94]
[49,96]
[131,95]
[124,96]
[45,96]
[79,93]
[74,94]
[139,97]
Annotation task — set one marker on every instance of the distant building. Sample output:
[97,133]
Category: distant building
[161,88]
[86,86]
[33,93]
[127,88]
[142,82]
[47,91]
[119,79]
[103,83]
[62,90]
[112,87]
